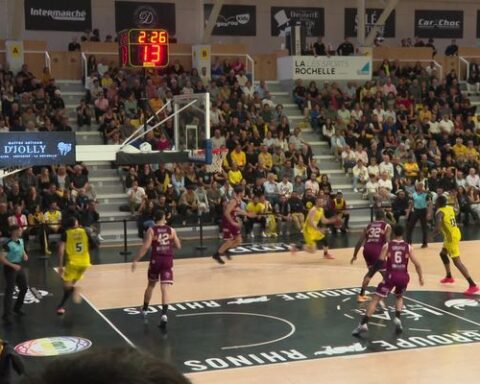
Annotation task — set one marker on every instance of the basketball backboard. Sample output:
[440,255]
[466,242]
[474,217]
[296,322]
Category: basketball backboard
[192,125]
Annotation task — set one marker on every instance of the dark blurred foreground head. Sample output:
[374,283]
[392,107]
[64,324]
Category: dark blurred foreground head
[114,366]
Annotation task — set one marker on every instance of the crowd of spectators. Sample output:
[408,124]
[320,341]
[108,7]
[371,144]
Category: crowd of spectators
[37,199]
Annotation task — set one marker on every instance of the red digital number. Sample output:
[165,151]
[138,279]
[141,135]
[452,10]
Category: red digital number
[151,53]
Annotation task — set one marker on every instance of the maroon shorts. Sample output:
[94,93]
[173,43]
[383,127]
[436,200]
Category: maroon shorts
[161,269]
[230,231]
[393,281]
[371,253]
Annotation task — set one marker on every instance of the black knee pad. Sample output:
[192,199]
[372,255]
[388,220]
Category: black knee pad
[444,257]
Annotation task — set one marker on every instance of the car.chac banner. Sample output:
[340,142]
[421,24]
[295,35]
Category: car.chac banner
[58,15]
[312,18]
[36,148]
[371,17]
[132,14]
[439,24]
[234,20]
[324,68]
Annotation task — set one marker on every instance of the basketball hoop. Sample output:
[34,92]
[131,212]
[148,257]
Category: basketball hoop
[218,157]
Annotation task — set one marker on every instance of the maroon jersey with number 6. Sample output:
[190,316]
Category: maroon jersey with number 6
[396,274]
[375,238]
[161,259]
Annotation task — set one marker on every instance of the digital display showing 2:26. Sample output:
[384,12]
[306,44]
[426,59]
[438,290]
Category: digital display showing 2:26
[144,48]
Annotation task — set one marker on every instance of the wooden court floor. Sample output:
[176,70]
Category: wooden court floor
[115,286]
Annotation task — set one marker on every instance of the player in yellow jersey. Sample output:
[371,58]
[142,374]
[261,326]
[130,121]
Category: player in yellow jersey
[312,233]
[74,244]
[446,224]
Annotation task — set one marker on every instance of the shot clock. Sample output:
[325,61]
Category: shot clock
[144,48]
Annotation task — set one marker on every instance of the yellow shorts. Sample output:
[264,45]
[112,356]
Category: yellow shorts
[311,236]
[73,273]
[452,247]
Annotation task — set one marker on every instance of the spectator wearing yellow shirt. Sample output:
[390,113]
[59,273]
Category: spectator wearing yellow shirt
[257,208]
[239,157]
[410,167]
[459,149]
[107,80]
[265,157]
[425,114]
[235,176]
[471,151]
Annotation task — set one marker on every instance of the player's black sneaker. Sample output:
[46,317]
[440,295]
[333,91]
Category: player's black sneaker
[218,259]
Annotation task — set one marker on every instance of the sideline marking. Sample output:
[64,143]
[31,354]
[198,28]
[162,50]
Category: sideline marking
[420,330]
[442,310]
[290,324]
[129,342]
[377,324]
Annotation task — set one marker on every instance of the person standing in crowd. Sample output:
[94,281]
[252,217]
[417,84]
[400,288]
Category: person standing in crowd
[12,258]
[419,207]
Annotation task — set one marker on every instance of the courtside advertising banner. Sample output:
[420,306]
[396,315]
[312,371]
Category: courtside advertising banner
[371,17]
[58,15]
[144,15]
[234,20]
[324,68]
[439,24]
[36,148]
[313,19]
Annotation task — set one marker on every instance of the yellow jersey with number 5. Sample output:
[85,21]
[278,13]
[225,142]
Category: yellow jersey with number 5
[76,247]
[450,229]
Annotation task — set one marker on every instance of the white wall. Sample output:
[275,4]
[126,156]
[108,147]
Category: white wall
[189,23]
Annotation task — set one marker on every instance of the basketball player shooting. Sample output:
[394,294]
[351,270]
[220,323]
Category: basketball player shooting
[162,239]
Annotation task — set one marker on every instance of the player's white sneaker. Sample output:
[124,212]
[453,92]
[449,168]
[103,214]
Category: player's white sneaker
[361,329]
[144,316]
[398,325]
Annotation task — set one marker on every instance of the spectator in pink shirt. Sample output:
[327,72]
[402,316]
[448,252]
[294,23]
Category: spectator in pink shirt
[389,87]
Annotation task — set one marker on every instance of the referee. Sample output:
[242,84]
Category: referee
[418,211]
[12,257]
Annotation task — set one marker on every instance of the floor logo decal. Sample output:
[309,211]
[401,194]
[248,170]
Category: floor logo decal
[53,346]
[288,327]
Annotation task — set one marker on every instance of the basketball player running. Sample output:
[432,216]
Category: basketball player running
[372,239]
[396,253]
[447,225]
[161,238]
[231,228]
[312,233]
[74,243]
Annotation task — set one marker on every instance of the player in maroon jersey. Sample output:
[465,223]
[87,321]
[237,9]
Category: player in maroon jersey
[230,226]
[162,239]
[372,239]
[396,253]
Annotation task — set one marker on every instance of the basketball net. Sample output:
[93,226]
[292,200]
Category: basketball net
[218,157]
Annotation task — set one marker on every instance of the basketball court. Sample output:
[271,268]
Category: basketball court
[273,316]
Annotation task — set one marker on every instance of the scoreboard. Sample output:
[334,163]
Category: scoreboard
[143,48]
